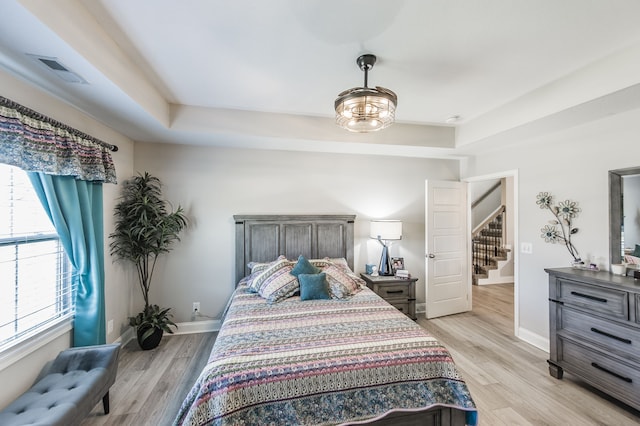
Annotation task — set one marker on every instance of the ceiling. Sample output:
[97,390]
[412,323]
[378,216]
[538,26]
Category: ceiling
[265,73]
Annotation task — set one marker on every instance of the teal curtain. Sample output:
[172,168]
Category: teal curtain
[67,168]
[75,208]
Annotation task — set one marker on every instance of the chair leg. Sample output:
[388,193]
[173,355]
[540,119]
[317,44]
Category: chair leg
[105,403]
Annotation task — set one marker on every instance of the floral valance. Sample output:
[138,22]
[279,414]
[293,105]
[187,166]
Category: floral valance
[37,143]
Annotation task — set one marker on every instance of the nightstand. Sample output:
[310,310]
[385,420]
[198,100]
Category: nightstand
[399,292]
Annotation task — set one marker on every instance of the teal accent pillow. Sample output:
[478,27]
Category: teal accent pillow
[304,267]
[313,286]
[636,252]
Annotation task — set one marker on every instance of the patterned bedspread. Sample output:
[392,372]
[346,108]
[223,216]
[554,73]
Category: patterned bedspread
[320,362]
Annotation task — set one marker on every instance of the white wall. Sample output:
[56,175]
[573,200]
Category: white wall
[213,184]
[571,164]
[120,281]
[21,374]
[483,206]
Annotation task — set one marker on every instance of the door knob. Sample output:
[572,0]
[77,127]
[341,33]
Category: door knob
[431,255]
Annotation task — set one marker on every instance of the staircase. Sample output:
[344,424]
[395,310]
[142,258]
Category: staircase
[492,262]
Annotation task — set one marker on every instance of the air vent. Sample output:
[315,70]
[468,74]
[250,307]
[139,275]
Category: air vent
[56,67]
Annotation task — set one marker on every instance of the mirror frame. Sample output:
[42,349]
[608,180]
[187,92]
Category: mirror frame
[615,211]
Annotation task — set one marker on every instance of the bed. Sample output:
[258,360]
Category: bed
[350,358]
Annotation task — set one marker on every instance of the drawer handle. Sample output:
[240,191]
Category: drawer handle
[601,368]
[395,291]
[613,336]
[588,296]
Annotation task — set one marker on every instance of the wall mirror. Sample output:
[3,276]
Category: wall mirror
[624,212]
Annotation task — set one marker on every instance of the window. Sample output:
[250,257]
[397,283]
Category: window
[35,274]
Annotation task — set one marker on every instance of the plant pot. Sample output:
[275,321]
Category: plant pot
[152,341]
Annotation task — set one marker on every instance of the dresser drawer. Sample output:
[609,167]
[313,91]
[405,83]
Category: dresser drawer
[613,303]
[620,380]
[618,338]
[393,291]
[398,292]
[401,306]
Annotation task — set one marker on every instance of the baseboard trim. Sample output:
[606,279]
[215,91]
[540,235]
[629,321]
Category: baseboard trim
[421,308]
[183,328]
[534,339]
[196,327]
[126,337]
[498,280]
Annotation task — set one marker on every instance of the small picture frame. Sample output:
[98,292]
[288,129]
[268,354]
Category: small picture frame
[397,263]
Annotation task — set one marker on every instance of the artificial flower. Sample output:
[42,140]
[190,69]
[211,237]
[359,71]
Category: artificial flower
[561,229]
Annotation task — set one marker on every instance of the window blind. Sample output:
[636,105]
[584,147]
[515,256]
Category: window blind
[36,288]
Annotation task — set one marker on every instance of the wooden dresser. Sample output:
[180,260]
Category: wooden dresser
[594,320]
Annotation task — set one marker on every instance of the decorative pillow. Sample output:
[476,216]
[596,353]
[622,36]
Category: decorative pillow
[245,281]
[256,268]
[279,285]
[340,262]
[304,267]
[320,263]
[341,283]
[359,281]
[636,252]
[248,280]
[262,271]
[251,265]
[261,266]
[313,286]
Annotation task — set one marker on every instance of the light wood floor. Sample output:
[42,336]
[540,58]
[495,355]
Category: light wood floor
[508,378]
[151,385]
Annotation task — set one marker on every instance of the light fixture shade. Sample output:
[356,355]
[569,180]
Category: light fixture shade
[366,109]
[386,229]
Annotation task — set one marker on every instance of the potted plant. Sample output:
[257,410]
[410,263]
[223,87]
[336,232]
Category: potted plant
[145,228]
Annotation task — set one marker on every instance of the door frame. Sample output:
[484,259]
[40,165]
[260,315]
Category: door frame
[516,252]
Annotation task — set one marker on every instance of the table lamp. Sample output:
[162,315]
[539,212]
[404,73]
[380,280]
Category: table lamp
[385,231]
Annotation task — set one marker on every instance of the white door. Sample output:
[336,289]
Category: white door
[448,286]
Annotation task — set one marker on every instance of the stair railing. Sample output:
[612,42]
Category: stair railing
[487,240]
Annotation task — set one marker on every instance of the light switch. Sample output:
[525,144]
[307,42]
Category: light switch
[526,248]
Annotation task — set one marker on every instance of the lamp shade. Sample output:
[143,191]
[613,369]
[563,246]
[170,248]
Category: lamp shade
[386,229]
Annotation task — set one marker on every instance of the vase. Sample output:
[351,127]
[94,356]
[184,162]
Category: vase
[152,341]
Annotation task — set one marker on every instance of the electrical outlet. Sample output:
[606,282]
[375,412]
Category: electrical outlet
[195,311]
[110,327]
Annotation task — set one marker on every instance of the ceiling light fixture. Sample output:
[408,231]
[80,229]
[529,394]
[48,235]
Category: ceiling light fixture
[365,109]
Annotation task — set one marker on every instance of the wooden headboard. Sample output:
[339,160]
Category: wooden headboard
[262,238]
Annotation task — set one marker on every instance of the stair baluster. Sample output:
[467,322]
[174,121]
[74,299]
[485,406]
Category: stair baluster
[487,244]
